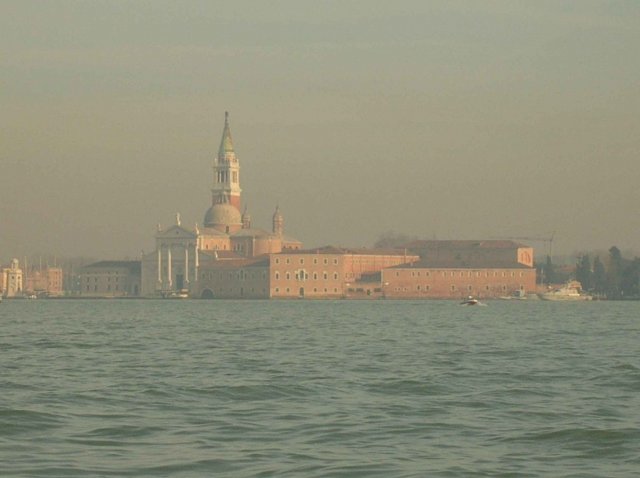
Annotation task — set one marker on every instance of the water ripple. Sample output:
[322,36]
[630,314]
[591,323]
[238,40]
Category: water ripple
[318,389]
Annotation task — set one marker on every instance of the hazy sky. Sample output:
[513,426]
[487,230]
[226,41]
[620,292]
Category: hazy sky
[448,119]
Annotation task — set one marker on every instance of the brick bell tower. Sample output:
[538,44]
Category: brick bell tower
[226,171]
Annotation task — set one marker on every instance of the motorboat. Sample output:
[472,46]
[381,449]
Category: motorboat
[571,291]
[470,301]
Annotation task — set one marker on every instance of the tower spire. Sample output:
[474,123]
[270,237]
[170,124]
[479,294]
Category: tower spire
[226,152]
[226,171]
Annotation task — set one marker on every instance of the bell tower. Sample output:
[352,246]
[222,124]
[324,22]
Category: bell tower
[226,171]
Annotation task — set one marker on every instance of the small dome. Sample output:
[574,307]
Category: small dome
[222,215]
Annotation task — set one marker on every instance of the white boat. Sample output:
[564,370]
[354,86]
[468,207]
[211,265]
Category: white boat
[470,301]
[571,291]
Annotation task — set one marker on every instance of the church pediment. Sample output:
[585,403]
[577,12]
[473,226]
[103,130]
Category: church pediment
[176,232]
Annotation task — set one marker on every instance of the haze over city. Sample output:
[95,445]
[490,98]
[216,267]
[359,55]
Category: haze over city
[455,120]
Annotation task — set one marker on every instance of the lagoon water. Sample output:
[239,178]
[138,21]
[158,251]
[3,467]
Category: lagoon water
[319,389]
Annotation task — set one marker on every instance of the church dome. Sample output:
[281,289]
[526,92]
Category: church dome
[222,215]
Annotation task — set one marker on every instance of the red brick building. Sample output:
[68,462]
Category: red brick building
[327,272]
[456,269]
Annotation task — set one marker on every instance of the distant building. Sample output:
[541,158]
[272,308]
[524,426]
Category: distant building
[227,257]
[181,252]
[234,278]
[46,281]
[499,270]
[11,280]
[327,272]
[330,271]
[110,279]
[463,253]
[456,269]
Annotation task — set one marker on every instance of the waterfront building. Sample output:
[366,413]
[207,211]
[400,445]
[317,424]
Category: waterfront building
[331,271]
[110,279]
[11,280]
[327,272]
[46,281]
[180,252]
[457,269]
[228,257]
[173,265]
[461,253]
[234,278]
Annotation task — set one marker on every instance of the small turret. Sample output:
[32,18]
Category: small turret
[246,219]
[278,222]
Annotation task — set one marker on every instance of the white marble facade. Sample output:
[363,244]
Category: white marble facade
[173,266]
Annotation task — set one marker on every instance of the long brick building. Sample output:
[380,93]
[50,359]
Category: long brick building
[327,272]
[456,269]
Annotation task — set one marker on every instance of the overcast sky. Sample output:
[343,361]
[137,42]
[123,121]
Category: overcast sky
[446,119]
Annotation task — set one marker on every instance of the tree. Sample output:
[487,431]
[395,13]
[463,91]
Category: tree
[539,272]
[630,283]
[584,274]
[548,272]
[614,274]
[599,277]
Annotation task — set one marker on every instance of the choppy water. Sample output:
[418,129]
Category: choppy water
[319,389]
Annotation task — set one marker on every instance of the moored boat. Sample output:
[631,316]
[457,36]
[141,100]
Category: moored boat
[571,291]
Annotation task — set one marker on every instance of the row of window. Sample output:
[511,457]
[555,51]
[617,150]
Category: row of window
[241,274]
[462,273]
[215,247]
[325,261]
[303,275]
[223,176]
[95,288]
[233,291]
[453,288]
[315,290]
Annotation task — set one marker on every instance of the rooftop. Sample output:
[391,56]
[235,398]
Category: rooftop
[333,250]
[465,244]
[467,263]
[261,261]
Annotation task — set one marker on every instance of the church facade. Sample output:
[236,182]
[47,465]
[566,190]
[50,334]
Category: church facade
[226,234]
